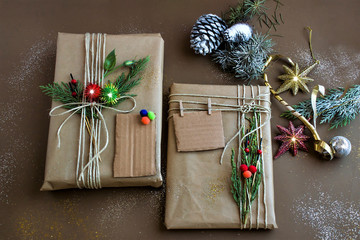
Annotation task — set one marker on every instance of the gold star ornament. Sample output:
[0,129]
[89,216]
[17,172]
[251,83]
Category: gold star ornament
[295,79]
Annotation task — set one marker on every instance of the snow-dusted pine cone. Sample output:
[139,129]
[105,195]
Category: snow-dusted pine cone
[207,34]
[240,32]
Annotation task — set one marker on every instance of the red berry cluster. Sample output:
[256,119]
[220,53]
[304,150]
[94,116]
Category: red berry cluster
[73,86]
[247,172]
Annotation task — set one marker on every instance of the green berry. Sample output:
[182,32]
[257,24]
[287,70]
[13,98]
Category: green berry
[151,115]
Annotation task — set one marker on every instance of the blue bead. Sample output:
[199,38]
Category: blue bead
[143,112]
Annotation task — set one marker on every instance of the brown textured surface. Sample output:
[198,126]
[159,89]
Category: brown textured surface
[197,131]
[27,56]
[134,147]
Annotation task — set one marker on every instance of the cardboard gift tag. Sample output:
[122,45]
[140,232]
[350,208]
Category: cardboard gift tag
[135,147]
[198,131]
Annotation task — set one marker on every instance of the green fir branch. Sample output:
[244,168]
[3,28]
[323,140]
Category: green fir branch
[61,92]
[248,9]
[125,83]
[336,108]
[236,180]
[246,60]
[245,191]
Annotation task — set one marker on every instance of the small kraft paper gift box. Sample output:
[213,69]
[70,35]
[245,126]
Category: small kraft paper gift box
[219,161]
[100,141]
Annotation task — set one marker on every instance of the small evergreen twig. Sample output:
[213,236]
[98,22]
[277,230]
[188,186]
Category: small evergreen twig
[336,108]
[245,190]
[246,60]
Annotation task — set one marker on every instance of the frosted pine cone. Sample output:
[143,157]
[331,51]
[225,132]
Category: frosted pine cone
[207,34]
[240,32]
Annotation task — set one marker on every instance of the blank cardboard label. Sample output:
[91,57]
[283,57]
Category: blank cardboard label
[135,147]
[198,131]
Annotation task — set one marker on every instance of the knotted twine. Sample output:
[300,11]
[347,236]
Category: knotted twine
[244,105]
[88,171]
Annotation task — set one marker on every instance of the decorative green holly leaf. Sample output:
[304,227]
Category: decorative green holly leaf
[110,61]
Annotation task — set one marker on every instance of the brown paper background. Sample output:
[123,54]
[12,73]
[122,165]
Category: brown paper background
[198,188]
[27,56]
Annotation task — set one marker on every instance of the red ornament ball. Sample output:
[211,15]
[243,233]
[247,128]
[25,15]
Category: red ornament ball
[252,169]
[92,92]
[247,174]
[259,151]
[243,167]
[247,150]
[73,81]
[145,120]
[74,94]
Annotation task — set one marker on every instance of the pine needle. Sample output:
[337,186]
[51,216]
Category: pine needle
[336,108]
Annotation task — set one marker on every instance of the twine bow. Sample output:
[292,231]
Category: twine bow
[93,106]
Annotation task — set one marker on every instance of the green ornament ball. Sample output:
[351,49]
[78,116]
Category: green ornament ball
[151,115]
[109,94]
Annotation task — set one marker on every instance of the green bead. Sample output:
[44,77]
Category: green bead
[151,115]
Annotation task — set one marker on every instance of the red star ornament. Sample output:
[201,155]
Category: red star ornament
[292,139]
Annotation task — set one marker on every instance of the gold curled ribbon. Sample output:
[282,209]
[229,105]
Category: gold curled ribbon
[319,145]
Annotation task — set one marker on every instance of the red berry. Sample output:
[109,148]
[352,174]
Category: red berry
[243,167]
[74,94]
[145,120]
[252,169]
[247,150]
[259,151]
[73,81]
[247,174]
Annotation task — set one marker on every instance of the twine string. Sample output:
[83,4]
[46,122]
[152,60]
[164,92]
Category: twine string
[88,172]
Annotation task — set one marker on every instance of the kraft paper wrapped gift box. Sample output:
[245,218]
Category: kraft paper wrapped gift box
[198,193]
[70,58]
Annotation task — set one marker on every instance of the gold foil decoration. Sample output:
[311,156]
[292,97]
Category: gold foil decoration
[319,145]
[295,79]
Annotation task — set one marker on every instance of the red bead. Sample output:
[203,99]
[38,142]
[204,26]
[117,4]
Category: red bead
[247,150]
[74,94]
[73,81]
[259,151]
[247,174]
[243,167]
[145,120]
[252,169]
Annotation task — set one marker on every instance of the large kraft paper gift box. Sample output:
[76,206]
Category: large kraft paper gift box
[70,58]
[198,193]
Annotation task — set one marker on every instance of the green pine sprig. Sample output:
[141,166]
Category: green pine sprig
[236,180]
[249,9]
[245,191]
[338,107]
[245,59]
[61,92]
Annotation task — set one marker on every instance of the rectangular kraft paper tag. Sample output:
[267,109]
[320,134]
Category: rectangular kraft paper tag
[198,131]
[135,147]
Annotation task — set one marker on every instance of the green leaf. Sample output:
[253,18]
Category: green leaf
[110,61]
